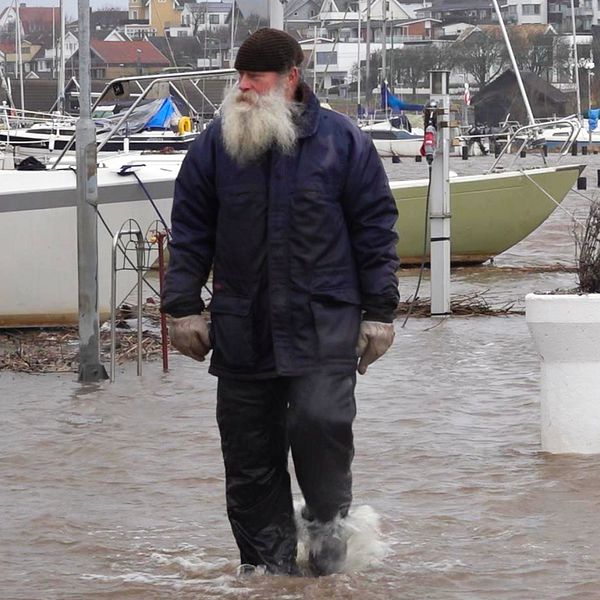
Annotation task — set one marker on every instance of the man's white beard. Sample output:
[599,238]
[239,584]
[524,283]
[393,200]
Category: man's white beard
[253,123]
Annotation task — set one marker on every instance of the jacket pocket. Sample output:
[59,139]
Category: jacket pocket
[336,314]
[231,331]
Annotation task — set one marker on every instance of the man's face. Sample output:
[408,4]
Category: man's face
[262,82]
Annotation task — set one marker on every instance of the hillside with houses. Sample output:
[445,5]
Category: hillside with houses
[343,40]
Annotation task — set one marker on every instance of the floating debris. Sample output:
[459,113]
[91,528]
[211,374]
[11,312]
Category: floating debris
[460,306]
[56,350]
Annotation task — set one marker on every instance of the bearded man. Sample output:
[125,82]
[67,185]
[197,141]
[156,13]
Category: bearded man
[290,207]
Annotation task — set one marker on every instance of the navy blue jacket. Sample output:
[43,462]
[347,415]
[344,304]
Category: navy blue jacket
[302,247]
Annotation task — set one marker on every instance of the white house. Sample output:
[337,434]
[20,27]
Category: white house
[202,16]
[526,12]
[335,61]
[48,61]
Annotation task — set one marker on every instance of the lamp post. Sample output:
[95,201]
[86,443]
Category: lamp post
[214,39]
[588,65]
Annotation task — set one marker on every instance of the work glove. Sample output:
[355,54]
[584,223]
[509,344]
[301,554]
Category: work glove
[374,338]
[190,335]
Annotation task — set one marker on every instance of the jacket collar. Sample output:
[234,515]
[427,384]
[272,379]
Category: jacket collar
[309,117]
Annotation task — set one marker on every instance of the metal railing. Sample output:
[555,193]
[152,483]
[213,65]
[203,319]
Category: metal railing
[152,81]
[531,136]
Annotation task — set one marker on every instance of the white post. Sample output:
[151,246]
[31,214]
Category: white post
[276,14]
[591,66]
[439,202]
[90,368]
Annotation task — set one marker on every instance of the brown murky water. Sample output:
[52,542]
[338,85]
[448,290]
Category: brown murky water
[116,491]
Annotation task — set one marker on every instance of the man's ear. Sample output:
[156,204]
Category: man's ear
[292,80]
[294,77]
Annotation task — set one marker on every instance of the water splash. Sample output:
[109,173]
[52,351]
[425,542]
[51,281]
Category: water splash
[367,546]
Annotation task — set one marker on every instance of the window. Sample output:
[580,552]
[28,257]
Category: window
[134,15]
[531,9]
[213,19]
[201,17]
[326,58]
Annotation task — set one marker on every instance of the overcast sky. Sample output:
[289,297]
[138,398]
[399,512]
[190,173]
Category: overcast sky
[247,6]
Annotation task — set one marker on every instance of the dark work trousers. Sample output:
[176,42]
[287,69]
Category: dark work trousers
[259,421]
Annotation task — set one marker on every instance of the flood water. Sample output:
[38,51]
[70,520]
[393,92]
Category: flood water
[117,491]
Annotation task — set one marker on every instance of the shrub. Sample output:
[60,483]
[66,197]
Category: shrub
[588,262]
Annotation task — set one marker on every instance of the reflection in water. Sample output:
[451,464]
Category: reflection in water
[117,491]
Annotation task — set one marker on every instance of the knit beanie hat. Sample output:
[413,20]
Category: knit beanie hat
[269,50]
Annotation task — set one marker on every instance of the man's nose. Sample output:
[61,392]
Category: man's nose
[244,83]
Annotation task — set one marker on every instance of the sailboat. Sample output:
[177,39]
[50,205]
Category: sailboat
[38,218]
[153,125]
[38,212]
[395,136]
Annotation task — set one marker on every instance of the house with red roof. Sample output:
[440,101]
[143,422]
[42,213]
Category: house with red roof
[121,59]
[29,53]
[33,19]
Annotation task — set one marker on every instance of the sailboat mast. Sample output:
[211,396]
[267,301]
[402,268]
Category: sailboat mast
[232,36]
[19,53]
[383,41]
[368,65]
[576,60]
[61,65]
[358,63]
[275,14]
[314,59]
[514,64]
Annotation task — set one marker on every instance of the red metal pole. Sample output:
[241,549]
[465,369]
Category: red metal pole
[164,334]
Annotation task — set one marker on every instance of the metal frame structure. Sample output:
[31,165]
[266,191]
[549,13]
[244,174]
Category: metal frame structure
[529,134]
[193,76]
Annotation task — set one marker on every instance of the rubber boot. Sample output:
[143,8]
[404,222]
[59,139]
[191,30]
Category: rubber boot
[327,545]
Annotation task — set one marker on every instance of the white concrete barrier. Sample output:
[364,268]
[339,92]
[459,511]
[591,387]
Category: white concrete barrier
[566,332]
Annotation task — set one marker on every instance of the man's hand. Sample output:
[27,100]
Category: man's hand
[190,336]
[374,339]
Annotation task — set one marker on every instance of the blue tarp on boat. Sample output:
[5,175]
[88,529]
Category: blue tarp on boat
[593,115]
[162,117]
[388,100]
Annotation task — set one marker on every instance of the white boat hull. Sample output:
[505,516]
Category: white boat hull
[38,213]
[39,260]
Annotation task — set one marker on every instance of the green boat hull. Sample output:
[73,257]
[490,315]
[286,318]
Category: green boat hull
[489,213]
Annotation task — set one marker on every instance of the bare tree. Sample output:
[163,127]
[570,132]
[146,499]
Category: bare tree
[412,64]
[248,25]
[538,52]
[482,55]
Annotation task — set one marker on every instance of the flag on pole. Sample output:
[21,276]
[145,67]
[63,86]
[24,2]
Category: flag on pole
[467,96]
